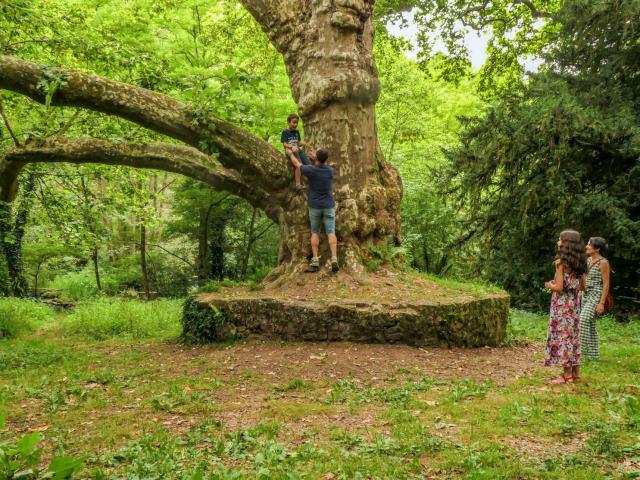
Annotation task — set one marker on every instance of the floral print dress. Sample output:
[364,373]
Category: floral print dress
[563,336]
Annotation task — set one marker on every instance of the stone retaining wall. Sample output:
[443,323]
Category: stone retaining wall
[467,322]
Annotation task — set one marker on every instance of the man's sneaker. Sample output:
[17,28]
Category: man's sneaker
[334,264]
[314,265]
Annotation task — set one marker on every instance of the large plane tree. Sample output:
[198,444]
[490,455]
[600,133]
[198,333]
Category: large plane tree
[327,46]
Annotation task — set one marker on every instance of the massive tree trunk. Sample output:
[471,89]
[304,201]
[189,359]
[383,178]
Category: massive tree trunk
[327,47]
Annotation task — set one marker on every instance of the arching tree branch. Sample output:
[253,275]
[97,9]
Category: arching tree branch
[270,14]
[234,147]
[535,13]
[161,156]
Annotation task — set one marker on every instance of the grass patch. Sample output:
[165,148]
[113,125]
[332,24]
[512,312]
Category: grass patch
[30,354]
[21,316]
[214,412]
[286,410]
[470,288]
[293,384]
[533,326]
[106,318]
[78,286]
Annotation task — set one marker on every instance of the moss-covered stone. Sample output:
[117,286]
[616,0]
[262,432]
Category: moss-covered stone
[468,322]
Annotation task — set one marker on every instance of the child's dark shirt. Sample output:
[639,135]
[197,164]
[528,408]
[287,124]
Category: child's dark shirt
[290,137]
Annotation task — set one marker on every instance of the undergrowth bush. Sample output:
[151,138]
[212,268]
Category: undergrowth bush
[77,286]
[259,274]
[168,276]
[167,279]
[19,316]
[105,318]
[200,325]
[20,458]
[385,254]
[217,285]
[4,277]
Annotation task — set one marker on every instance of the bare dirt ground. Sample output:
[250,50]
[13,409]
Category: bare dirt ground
[291,384]
[366,362]
[253,372]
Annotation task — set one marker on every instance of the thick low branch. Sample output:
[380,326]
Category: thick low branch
[161,156]
[234,147]
[272,16]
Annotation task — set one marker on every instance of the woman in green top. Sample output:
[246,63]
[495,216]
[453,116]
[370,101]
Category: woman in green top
[596,291]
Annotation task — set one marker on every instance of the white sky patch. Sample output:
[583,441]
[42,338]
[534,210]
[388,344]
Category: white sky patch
[476,43]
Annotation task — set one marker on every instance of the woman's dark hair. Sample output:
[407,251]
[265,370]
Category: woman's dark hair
[291,117]
[599,244]
[571,252]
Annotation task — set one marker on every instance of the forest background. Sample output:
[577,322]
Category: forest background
[494,162]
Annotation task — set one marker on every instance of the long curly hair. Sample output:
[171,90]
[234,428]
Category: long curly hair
[571,252]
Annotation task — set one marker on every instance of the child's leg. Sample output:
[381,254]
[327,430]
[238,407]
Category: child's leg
[297,174]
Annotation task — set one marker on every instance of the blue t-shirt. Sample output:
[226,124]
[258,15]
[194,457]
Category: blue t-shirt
[320,185]
[290,137]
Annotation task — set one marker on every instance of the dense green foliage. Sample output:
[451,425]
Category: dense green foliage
[526,156]
[18,317]
[560,151]
[211,55]
[198,324]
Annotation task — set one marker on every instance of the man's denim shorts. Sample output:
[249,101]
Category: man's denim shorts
[318,216]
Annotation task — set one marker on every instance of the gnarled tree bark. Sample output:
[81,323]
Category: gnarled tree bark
[327,46]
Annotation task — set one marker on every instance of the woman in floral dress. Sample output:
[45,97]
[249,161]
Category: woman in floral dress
[563,336]
[597,289]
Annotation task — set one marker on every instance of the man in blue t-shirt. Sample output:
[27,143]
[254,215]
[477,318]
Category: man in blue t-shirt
[322,206]
[292,143]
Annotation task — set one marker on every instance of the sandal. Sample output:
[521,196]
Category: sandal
[560,380]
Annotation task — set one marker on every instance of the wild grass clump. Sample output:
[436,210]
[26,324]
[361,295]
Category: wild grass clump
[533,326]
[527,325]
[105,318]
[20,316]
[30,354]
[77,286]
